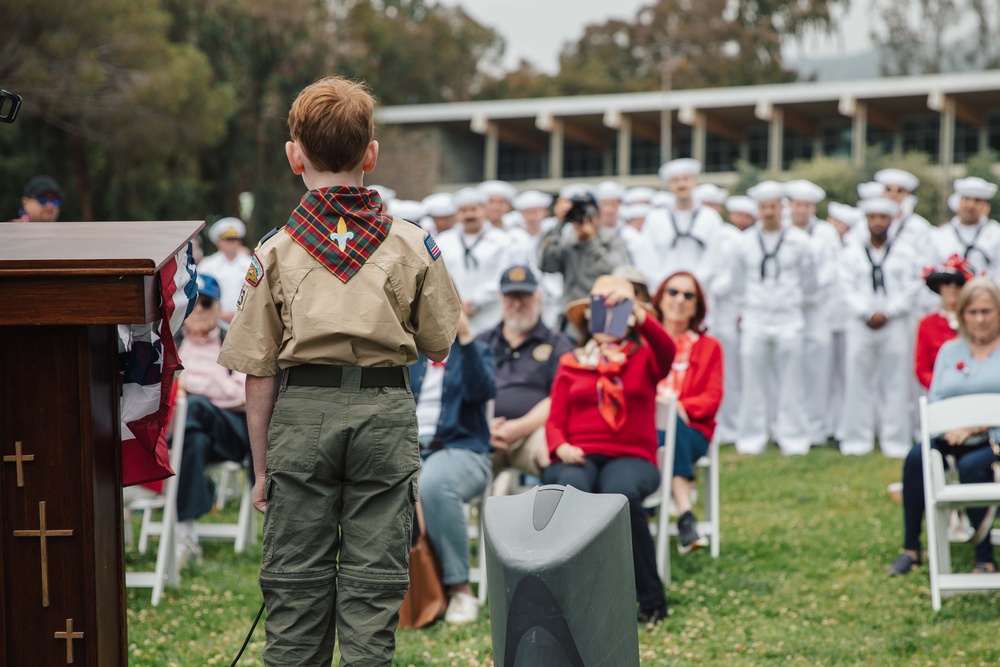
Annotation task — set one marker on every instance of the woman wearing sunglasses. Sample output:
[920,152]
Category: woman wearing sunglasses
[695,384]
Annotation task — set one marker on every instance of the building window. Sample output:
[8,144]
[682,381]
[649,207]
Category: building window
[720,153]
[519,164]
[582,161]
[966,141]
[836,139]
[645,156]
[757,147]
[922,133]
[796,147]
[882,139]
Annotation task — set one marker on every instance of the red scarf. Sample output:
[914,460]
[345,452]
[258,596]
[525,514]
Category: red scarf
[607,361]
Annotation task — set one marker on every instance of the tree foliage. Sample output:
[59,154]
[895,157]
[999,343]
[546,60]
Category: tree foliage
[932,36]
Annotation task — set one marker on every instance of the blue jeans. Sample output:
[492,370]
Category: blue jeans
[635,479]
[689,446]
[973,467]
[448,478]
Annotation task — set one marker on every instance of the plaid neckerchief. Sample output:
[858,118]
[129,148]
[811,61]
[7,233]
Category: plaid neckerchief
[341,227]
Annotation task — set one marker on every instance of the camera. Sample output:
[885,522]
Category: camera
[584,206]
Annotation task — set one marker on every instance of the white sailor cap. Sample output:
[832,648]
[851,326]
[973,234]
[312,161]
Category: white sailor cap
[501,188]
[954,200]
[440,205]
[639,195]
[386,193]
[710,193]
[610,190]
[742,204]
[227,228]
[897,177]
[767,191]
[803,190]
[975,187]
[870,189]
[636,211]
[848,215]
[684,165]
[879,206]
[663,199]
[576,189]
[532,199]
[407,209]
[469,197]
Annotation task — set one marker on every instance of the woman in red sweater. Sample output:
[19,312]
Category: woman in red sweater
[602,424]
[938,328]
[695,383]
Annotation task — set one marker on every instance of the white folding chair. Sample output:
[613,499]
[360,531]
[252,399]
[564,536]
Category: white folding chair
[662,499]
[939,497]
[166,572]
[474,521]
[244,531]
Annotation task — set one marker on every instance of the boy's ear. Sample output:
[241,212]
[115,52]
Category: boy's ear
[294,155]
[371,157]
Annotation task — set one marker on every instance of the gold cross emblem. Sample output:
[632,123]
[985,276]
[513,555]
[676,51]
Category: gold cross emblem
[43,534]
[18,458]
[69,636]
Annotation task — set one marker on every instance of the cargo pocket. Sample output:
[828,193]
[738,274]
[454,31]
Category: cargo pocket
[396,448]
[269,515]
[293,440]
[408,523]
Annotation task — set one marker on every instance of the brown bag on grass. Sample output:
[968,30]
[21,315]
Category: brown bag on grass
[425,599]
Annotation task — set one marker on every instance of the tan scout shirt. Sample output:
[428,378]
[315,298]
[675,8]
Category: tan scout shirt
[300,313]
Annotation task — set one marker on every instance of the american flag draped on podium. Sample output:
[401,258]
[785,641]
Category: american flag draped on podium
[147,363]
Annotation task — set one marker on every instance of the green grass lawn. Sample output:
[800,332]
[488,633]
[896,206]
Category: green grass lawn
[800,580]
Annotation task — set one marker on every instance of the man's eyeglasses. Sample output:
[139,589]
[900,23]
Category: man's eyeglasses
[688,296]
[205,302]
[45,201]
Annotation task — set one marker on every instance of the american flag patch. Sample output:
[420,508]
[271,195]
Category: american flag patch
[432,246]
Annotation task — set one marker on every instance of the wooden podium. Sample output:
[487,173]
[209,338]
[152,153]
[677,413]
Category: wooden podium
[63,289]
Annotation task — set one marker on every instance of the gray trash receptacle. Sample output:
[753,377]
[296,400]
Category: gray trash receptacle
[561,583]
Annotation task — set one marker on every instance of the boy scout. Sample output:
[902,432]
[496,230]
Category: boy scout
[341,298]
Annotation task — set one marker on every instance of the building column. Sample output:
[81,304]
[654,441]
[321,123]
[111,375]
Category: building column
[946,139]
[699,137]
[776,141]
[625,146]
[492,154]
[556,145]
[666,136]
[859,135]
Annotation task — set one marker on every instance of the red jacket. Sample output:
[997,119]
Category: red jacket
[574,417]
[932,332]
[701,393]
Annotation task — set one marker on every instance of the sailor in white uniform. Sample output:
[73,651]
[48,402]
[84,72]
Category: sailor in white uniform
[441,211]
[476,253]
[803,196]
[499,202]
[741,214]
[971,234]
[534,206]
[229,265]
[775,272]
[907,227]
[682,235]
[880,284]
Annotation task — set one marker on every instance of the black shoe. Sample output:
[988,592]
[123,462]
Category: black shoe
[902,565]
[688,538]
[654,616]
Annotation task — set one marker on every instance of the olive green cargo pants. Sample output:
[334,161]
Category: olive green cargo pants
[341,486]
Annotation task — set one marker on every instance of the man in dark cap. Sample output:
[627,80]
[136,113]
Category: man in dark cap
[41,201]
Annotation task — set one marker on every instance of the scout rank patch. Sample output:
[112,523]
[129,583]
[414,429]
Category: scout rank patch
[432,246]
[255,272]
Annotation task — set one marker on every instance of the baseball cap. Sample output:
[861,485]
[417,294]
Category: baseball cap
[40,185]
[518,280]
[209,286]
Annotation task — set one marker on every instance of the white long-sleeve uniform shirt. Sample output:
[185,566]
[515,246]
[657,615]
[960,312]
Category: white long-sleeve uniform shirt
[774,273]
[475,263]
[879,279]
[979,243]
[680,241]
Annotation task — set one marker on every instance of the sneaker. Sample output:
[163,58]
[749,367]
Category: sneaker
[687,532]
[653,617]
[902,565]
[462,608]
[187,551]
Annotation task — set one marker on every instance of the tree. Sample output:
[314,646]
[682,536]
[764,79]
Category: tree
[413,52]
[932,36]
[107,92]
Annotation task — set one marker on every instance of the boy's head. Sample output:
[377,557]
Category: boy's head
[331,122]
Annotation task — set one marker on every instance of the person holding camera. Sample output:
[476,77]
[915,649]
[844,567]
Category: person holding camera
[601,429]
[583,256]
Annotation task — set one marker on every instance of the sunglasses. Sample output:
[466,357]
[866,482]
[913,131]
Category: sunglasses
[205,302]
[688,296]
[45,201]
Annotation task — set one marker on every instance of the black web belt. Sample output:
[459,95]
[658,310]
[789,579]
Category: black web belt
[313,375]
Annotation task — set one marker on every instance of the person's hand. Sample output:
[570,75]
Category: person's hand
[464,330]
[877,321]
[259,499]
[682,413]
[508,431]
[958,436]
[468,308]
[561,208]
[569,454]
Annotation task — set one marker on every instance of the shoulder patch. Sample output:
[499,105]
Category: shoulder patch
[255,272]
[432,246]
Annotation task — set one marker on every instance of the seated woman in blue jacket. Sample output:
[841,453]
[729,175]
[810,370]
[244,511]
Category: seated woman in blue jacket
[454,440]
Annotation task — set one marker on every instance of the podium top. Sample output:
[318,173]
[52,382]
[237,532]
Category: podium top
[85,272]
[95,248]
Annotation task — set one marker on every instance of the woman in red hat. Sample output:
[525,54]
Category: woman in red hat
[938,328]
